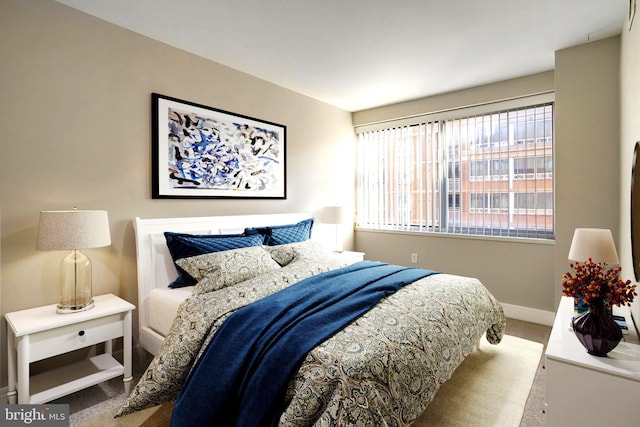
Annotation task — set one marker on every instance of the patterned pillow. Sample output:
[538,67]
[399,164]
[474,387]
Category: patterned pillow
[217,270]
[283,234]
[187,245]
[284,254]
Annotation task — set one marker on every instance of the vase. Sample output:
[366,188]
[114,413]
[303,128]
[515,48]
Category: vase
[596,330]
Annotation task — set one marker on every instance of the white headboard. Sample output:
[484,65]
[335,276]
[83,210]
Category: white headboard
[155,266]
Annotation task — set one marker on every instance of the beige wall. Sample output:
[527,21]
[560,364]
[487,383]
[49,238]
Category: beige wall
[587,149]
[586,157]
[629,134]
[75,115]
[529,85]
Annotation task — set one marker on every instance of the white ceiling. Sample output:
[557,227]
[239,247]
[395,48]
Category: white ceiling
[358,54]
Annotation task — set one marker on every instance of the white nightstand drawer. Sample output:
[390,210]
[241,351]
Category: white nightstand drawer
[72,337]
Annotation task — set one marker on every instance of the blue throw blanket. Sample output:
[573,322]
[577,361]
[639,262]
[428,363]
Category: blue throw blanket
[242,376]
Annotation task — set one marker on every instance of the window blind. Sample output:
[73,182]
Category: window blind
[477,174]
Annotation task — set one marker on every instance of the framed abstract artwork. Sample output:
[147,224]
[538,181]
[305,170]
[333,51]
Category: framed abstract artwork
[204,152]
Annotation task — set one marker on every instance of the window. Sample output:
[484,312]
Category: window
[485,170]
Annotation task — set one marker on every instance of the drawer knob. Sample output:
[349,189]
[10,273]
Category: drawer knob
[81,333]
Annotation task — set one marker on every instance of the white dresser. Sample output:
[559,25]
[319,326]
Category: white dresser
[585,390]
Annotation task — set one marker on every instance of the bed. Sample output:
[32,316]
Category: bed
[382,367]
[156,269]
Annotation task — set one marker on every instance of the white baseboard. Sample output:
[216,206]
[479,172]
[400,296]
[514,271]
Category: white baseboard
[527,314]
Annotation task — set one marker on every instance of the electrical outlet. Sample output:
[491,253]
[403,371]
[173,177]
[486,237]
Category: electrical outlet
[414,258]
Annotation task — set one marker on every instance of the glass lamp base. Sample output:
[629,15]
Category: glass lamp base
[75,308]
[75,283]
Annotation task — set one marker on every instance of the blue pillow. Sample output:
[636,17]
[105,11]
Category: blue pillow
[283,234]
[187,245]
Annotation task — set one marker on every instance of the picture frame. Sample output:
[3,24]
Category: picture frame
[204,152]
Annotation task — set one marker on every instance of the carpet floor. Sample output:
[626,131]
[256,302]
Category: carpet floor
[490,388]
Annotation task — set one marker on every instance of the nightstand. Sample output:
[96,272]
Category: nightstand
[349,256]
[40,333]
[580,387]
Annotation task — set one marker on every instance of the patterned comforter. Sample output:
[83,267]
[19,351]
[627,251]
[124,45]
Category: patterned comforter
[383,369]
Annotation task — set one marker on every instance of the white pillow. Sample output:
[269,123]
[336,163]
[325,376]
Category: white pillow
[284,254]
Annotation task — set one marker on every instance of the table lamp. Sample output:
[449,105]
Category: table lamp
[594,243]
[74,230]
[334,215]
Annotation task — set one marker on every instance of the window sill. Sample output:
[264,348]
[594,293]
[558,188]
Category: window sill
[529,240]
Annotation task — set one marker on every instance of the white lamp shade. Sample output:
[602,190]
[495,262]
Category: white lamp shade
[333,214]
[73,229]
[594,243]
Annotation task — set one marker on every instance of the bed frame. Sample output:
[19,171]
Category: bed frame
[155,266]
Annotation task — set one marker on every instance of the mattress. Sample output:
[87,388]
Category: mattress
[163,305]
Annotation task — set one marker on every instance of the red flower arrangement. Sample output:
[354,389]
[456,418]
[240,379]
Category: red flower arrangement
[595,284]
